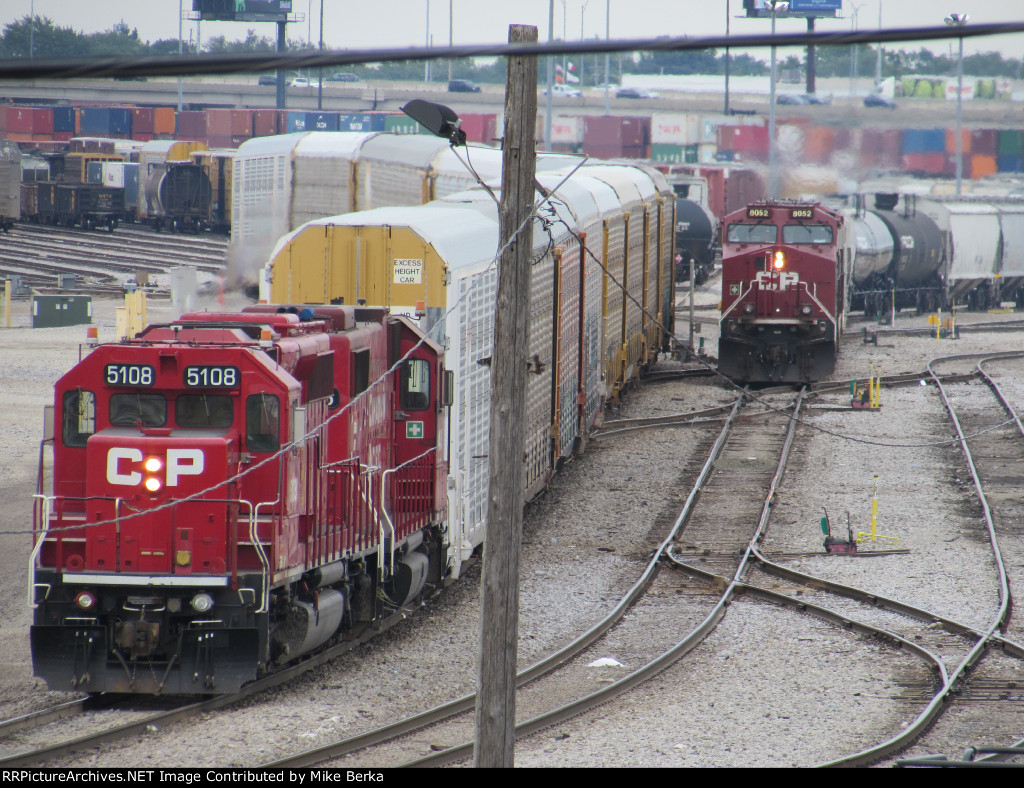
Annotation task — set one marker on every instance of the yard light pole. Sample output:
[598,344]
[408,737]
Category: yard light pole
[607,38]
[773,186]
[179,53]
[959,20]
[853,54]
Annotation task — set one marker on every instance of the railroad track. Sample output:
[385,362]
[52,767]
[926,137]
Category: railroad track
[657,662]
[40,255]
[18,750]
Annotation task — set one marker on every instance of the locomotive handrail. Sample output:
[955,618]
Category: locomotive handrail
[254,516]
[735,303]
[46,501]
[384,504]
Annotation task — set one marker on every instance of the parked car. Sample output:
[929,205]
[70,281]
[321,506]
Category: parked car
[792,99]
[814,98]
[878,100]
[635,93]
[559,89]
[267,79]
[343,76]
[303,82]
[462,86]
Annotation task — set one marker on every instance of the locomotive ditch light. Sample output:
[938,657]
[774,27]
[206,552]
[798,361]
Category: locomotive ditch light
[437,119]
[805,309]
[778,260]
[86,600]
[202,602]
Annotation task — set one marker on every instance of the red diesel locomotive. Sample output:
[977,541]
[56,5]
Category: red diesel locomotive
[785,267]
[230,491]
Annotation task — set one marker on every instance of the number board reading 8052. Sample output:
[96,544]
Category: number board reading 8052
[755,212]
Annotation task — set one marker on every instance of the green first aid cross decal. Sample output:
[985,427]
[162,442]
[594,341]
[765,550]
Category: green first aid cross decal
[414,429]
[734,289]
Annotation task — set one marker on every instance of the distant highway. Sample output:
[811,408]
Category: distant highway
[242,91]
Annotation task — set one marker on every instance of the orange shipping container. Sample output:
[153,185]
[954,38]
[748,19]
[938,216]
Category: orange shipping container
[965,141]
[982,166]
[819,144]
[163,120]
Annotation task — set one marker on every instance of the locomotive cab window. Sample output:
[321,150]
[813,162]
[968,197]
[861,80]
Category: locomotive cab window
[203,411]
[263,422]
[752,234]
[415,385]
[360,371]
[127,410]
[819,234]
[79,417]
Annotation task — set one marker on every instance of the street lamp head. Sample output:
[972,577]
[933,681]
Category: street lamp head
[437,119]
[779,6]
[956,20]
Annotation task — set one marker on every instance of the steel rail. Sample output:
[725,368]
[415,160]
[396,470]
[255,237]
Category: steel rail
[941,699]
[667,658]
[467,702]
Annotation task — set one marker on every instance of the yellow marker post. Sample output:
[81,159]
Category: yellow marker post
[874,520]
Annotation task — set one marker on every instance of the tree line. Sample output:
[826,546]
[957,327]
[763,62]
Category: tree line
[40,37]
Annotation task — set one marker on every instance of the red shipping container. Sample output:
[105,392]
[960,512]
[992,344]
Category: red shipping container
[241,123]
[749,141]
[715,177]
[143,136]
[17,136]
[612,130]
[3,119]
[190,125]
[220,141]
[163,121]
[218,122]
[62,136]
[42,137]
[985,142]
[927,163]
[42,121]
[19,120]
[142,121]
[480,127]
[264,123]
[238,139]
[742,188]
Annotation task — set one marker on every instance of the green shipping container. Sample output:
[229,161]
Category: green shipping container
[53,311]
[401,124]
[674,154]
[1011,143]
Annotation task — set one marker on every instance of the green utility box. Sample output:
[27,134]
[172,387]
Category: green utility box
[51,311]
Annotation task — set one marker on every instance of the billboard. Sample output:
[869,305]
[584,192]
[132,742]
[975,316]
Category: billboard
[797,8]
[242,10]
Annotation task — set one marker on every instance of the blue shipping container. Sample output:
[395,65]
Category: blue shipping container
[105,121]
[296,121]
[322,121]
[1010,163]
[924,141]
[64,119]
[358,121]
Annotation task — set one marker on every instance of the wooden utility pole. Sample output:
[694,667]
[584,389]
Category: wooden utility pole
[499,590]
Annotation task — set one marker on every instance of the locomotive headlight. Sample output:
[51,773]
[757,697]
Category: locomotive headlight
[152,484]
[153,464]
[778,260]
[86,600]
[202,602]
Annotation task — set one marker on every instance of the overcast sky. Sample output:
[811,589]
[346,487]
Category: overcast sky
[352,24]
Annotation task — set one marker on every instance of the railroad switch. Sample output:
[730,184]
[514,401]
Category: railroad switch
[867,398]
[834,544]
